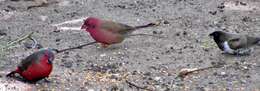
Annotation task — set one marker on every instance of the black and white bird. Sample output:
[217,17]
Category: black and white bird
[235,44]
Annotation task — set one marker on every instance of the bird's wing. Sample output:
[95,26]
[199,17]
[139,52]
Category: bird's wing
[29,60]
[252,40]
[237,43]
[116,27]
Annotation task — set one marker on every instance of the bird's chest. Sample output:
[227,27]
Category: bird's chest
[227,48]
[37,70]
[106,37]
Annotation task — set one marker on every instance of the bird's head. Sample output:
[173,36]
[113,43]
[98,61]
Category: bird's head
[49,53]
[90,23]
[216,34]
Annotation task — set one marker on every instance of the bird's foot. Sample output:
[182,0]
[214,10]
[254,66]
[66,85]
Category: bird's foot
[243,52]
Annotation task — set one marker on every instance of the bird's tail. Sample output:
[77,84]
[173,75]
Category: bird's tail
[11,74]
[77,47]
[148,25]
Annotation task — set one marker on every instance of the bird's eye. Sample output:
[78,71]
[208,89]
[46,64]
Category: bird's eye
[93,26]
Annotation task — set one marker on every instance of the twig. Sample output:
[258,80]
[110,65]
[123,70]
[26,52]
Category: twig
[17,41]
[35,6]
[138,87]
[186,72]
[68,28]
[41,3]
[71,21]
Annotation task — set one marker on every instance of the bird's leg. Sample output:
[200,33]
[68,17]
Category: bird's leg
[104,45]
[243,52]
[46,80]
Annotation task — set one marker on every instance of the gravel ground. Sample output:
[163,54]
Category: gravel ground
[148,62]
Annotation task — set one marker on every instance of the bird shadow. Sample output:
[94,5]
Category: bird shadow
[110,48]
[235,55]
[19,78]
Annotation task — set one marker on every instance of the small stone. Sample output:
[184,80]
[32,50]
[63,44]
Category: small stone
[147,74]
[178,34]
[55,10]
[11,7]
[57,40]
[137,19]
[185,33]
[153,10]
[154,32]
[243,81]
[242,3]
[2,33]
[103,55]
[171,48]
[200,88]
[221,10]
[215,73]
[56,31]
[67,52]
[68,64]
[213,12]
[246,19]
[65,56]
[221,7]
[206,49]
[166,22]
[43,18]
[223,73]
[114,88]
[157,78]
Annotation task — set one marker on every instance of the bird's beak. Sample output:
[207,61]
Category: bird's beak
[211,36]
[83,27]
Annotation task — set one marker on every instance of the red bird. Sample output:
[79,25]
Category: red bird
[109,32]
[36,66]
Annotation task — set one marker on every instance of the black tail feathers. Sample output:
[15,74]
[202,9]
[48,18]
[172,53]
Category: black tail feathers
[11,74]
[148,25]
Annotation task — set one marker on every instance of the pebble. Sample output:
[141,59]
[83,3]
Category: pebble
[223,73]
[68,64]
[103,55]
[2,33]
[166,22]
[157,78]
[43,18]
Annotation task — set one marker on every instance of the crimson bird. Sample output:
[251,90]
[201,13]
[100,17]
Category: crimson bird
[109,32]
[36,66]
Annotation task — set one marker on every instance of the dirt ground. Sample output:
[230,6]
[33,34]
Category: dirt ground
[150,63]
